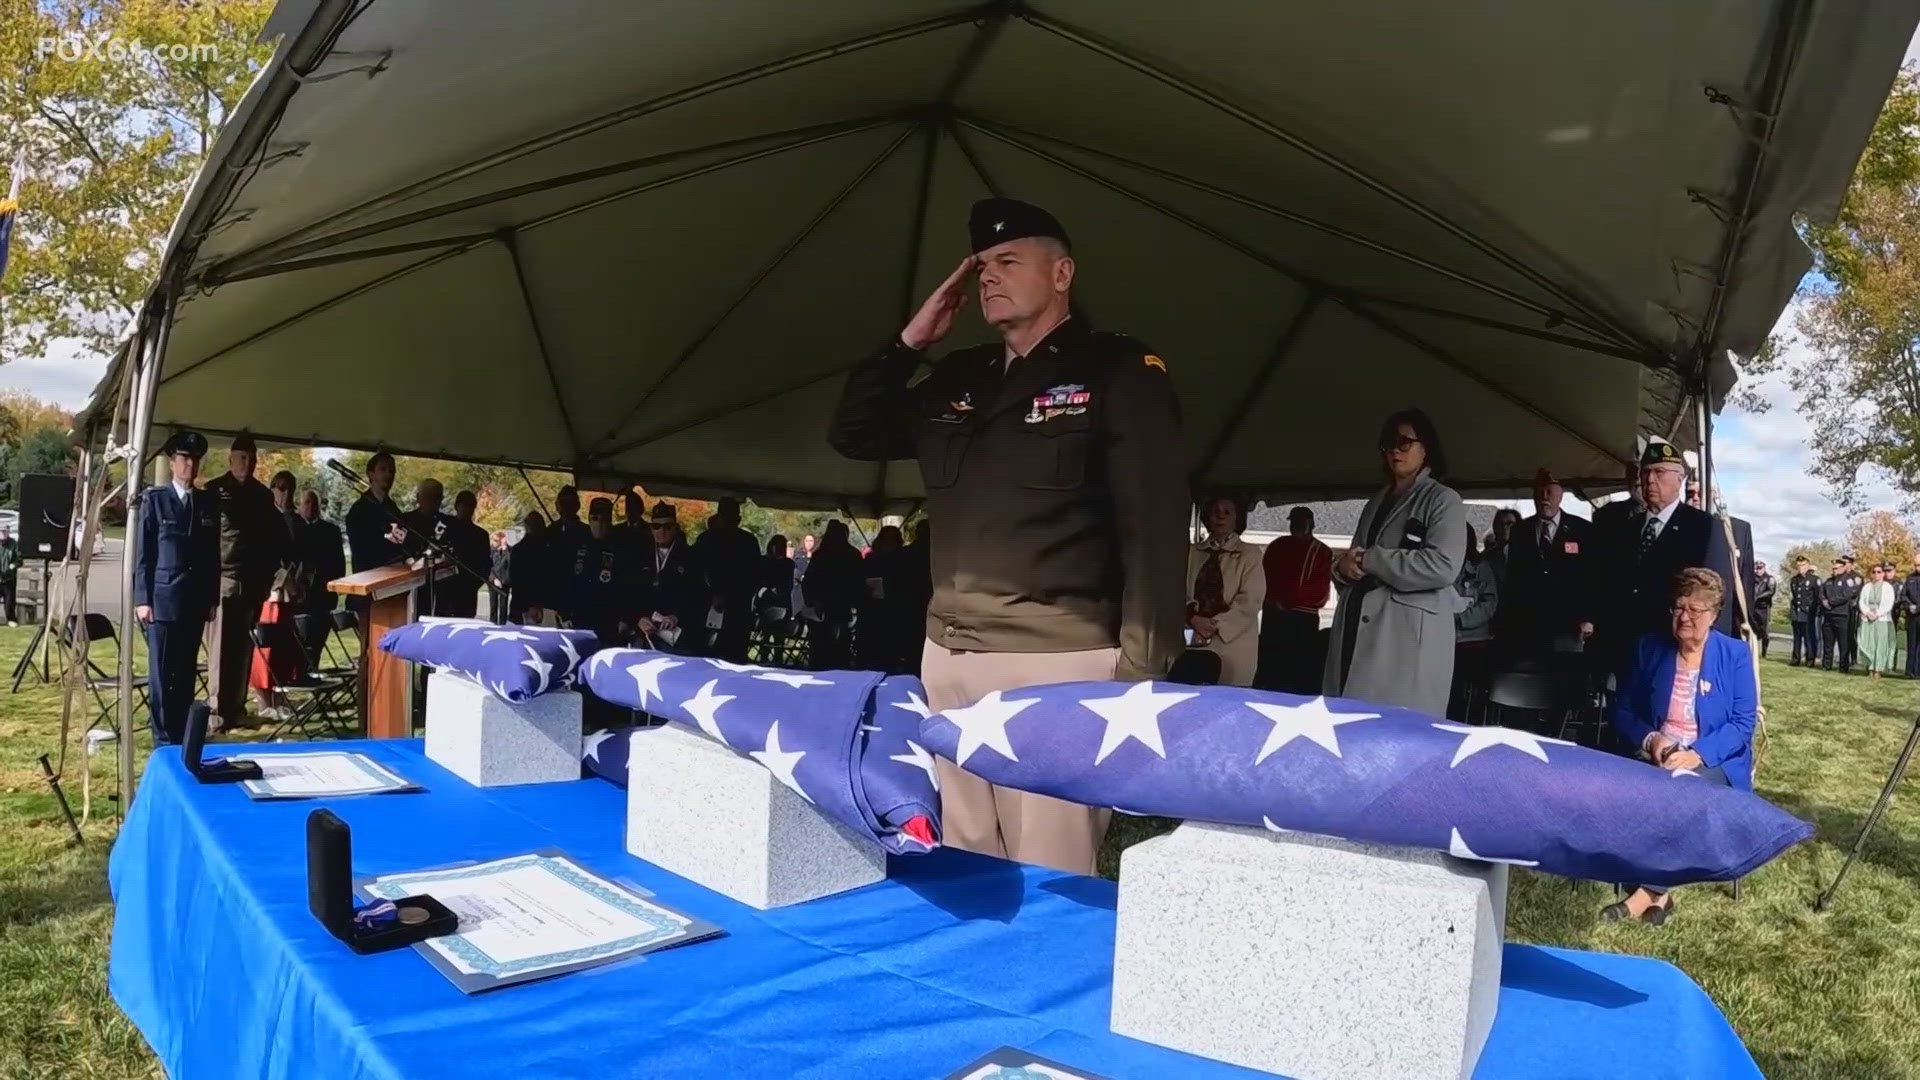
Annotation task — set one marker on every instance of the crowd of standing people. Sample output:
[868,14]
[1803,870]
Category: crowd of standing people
[1852,620]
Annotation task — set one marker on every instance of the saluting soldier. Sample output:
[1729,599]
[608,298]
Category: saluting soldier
[1054,466]
[176,582]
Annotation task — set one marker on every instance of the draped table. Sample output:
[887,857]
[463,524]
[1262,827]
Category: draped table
[218,962]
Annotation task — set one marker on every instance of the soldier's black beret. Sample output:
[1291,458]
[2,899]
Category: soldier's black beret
[996,221]
[190,443]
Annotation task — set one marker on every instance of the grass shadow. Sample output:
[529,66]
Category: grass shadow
[29,895]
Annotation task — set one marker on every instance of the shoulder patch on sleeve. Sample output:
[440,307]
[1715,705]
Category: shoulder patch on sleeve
[1153,361]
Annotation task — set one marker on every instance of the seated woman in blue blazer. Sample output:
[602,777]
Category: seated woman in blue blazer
[1688,704]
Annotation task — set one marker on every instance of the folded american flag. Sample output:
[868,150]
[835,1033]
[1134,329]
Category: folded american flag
[514,663]
[1363,772]
[847,741]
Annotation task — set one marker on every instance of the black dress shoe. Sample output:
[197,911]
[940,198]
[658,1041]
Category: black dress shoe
[1616,912]
[1657,914]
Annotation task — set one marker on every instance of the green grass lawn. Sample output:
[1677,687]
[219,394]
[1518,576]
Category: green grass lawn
[1834,995]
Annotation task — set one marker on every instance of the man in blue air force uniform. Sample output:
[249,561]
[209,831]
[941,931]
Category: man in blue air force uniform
[176,582]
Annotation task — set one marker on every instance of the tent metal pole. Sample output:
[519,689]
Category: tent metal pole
[146,382]
[1257,389]
[1552,314]
[537,500]
[509,239]
[916,243]
[813,224]
[290,266]
[1342,296]
[1790,27]
[619,116]
[1338,164]
[240,268]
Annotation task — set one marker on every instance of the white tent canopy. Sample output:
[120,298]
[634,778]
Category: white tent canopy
[649,239]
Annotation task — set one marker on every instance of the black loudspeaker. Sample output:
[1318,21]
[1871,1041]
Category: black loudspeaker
[46,515]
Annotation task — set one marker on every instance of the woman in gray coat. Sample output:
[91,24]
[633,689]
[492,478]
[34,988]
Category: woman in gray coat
[1393,635]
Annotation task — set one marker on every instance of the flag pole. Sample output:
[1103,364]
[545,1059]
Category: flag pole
[13,183]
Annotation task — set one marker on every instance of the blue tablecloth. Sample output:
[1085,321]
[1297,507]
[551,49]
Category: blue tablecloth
[218,962]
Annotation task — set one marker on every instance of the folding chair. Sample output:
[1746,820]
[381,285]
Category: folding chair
[346,621]
[305,626]
[104,687]
[313,699]
[1547,697]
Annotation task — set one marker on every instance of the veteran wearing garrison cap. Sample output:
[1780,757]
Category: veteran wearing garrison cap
[1641,553]
[176,581]
[1054,466]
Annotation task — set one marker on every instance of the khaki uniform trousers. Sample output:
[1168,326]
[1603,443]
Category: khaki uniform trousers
[1001,821]
[229,641]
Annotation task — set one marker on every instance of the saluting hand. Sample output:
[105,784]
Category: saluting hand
[934,320]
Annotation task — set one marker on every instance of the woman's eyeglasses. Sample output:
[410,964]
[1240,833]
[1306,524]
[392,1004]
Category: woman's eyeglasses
[1691,611]
[1402,442]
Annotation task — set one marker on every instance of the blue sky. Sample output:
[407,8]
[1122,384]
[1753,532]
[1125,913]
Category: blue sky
[1763,460]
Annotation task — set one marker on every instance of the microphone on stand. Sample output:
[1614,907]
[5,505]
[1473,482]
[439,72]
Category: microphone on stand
[349,474]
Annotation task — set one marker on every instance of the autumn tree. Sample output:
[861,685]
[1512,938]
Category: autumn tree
[1879,536]
[1857,381]
[1819,553]
[115,104]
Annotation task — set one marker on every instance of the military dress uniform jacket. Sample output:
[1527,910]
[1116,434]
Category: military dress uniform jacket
[253,535]
[1059,486]
[1547,592]
[177,563]
[1803,597]
[1637,590]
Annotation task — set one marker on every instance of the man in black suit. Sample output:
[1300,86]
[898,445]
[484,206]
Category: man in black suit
[176,581]
[673,593]
[322,559]
[1642,553]
[1850,643]
[1544,605]
[1909,602]
[460,594]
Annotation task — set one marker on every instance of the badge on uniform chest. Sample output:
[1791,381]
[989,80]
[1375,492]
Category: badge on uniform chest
[1069,399]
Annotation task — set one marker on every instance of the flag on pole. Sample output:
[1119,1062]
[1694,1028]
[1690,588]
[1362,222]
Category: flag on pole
[9,208]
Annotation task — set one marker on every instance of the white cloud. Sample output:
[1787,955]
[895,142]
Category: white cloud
[1765,471]
[65,376]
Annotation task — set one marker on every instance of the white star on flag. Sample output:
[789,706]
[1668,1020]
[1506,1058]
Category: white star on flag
[727,665]
[1458,848]
[793,678]
[918,757]
[1271,827]
[1682,772]
[647,676]
[705,706]
[603,658]
[537,666]
[1311,721]
[914,705]
[1483,738]
[1133,715]
[592,747]
[492,636]
[455,627]
[984,723]
[780,762]
[573,655]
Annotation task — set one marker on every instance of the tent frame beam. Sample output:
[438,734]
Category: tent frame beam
[1553,316]
[1602,348]
[916,238]
[1333,161]
[509,239]
[1347,299]
[754,73]
[1790,27]
[1257,389]
[293,257]
[839,131]
[753,285]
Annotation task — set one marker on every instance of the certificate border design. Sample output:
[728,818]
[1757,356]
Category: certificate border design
[437,951]
[664,923]
[385,780]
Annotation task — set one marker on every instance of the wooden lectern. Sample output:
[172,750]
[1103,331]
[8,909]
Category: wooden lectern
[387,694]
